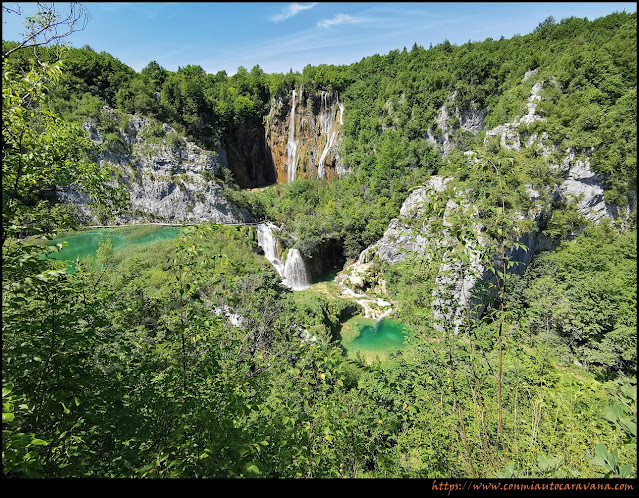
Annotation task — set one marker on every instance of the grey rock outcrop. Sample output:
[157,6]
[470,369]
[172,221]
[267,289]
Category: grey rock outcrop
[580,183]
[507,133]
[471,120]
[401,240]
[168,182]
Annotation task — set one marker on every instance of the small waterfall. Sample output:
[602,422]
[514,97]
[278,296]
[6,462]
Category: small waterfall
[294,271]
[296,275]
[267,241]
[291,145]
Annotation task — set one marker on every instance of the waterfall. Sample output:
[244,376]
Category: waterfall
[294,271]
[326,123]
[267,241]
[296,275]
[291,145]
[321,168]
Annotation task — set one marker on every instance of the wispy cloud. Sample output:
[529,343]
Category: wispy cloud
[339,19]
[292,10]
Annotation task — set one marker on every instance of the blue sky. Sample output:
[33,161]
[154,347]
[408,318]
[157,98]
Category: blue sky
[282,36]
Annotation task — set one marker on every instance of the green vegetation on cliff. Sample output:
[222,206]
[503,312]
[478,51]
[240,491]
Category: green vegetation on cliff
[187,358]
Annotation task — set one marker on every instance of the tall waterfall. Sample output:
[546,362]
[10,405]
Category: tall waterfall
[326,123]
[291,145]
[294,271]
[296,275]
[341,110]
[326,119]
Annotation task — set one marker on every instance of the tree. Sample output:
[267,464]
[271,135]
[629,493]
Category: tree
[549,21]
[48,26]
[41,154]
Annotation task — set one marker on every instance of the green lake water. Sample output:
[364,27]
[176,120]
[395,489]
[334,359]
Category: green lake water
[371,338]
[86,243]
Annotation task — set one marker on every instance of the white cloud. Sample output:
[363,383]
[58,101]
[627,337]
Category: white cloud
[339,19]
[292,10]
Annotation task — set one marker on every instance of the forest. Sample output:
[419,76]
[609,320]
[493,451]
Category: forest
[124,364]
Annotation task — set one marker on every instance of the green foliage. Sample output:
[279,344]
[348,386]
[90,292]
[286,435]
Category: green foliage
[188,359]
[42,153]
[587,296]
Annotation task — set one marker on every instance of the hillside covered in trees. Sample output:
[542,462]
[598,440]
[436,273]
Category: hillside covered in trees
[485,192]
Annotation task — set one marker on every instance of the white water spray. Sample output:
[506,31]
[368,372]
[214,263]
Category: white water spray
[294,271]
[326,124]
[267,241]
[296,275]
[291,145]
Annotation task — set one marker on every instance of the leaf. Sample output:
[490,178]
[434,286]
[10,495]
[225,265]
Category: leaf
[253,468]
[7,417]
[625,471]
[612,413]
[38,442]
[629,425]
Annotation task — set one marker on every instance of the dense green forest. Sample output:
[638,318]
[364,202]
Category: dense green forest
[125,367]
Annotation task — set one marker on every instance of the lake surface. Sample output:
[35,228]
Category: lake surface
[86,243]
[371,338]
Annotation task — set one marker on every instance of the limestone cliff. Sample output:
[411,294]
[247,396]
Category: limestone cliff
[248,155]
[169,179]
[411,233]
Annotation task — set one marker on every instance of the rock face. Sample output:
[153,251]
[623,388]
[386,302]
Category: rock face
[300,138]
[411,234]
[249,156]
[508,135]
[472,120]
[401,239]
[580,184]
[167,182]
[417,235]
[303,133]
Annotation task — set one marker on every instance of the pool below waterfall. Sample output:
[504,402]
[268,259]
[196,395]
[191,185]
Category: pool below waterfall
[372,338]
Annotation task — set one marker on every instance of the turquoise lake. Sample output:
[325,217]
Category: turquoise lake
[85,244]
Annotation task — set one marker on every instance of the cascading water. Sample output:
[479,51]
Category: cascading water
[291,145]
[326,125]
[294,271]
[321,168]
[267,241]
[296,275]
